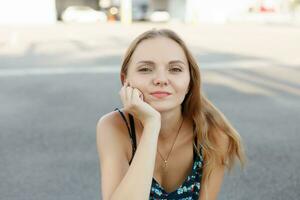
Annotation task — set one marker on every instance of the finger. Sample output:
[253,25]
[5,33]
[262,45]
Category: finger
[128,93]
[123,91]
[135,95]
[139,94]
[128,90]
[122,94]
[142,96]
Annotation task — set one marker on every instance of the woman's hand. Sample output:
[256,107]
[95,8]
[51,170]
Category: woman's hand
[133,102]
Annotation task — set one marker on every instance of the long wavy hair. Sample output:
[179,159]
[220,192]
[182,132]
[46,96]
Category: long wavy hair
[208,121]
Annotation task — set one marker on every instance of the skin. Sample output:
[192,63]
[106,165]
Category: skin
[167,71]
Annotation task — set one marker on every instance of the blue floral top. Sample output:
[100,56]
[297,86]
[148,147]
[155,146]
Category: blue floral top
[188,190]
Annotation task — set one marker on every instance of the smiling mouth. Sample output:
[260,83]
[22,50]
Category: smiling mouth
[160,95]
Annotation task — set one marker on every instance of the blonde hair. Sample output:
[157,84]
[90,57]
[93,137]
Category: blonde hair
[208,121]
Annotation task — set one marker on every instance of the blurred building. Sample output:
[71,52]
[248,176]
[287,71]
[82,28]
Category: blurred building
[38,11]
[189,11]
[29,11]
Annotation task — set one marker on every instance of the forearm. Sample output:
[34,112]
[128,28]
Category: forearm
[137,181]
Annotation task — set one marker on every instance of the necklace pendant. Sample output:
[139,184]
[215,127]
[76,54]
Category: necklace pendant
[166,164]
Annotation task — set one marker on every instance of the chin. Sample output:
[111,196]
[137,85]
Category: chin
[162,107]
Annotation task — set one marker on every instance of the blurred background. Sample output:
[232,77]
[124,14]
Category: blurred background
[59,73]
[52,11]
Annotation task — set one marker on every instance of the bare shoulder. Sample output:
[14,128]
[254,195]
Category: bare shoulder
[111,127]
[112,145]
[112,119]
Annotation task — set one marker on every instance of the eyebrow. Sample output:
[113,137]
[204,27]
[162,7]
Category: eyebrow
[151,62]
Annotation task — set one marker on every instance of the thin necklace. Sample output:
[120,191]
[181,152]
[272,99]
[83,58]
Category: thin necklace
[166,160]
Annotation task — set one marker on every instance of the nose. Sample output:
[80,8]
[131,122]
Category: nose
[160,78]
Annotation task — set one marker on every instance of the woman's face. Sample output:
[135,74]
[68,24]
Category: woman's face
[160,64]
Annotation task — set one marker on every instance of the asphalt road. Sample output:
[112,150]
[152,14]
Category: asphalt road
[57,81]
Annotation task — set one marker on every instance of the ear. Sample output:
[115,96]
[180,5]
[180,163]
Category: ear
[123,78]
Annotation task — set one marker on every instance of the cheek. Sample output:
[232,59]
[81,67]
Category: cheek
[181,90]
[181,87]
[136,81]
[139,84]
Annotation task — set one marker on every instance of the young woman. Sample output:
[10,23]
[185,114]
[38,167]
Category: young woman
[169,141]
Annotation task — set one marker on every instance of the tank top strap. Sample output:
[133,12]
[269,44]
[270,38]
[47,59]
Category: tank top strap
[131,131]
[196,150]
[132,128]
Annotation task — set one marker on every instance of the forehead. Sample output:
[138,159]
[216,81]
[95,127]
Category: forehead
[158,50]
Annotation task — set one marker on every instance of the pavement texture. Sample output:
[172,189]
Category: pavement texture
[56,81]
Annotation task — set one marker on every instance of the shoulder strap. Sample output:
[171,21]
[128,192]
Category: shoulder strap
[131,131]
[198,151]
[132,128]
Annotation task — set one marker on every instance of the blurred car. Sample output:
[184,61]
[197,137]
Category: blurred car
[83,14]
[158,16]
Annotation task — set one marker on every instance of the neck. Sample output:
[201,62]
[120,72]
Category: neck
[170,123]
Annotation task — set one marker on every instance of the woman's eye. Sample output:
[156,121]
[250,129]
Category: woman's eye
[145,70]
[176,69]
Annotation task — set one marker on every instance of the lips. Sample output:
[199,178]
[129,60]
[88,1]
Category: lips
[160,94]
